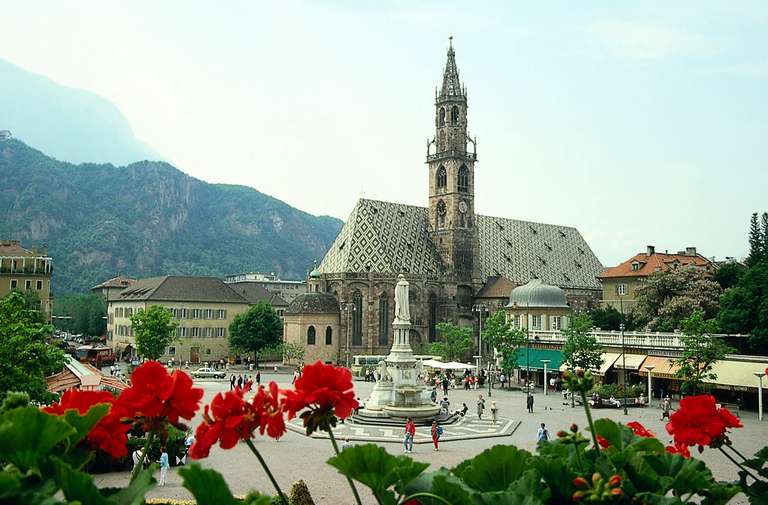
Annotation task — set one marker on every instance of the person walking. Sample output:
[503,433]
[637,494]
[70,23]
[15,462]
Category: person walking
[410,432]
[240,381]
[529,403]
[542,434]
[436,430]
[446,382]
[494,411]
[433,395]
[136,456]
[164,465]
[502,379]
[232,382]
[466,382]
[666,406]
[258,377]
[480,406]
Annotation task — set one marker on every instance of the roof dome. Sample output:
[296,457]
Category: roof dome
[537,294]
[314,274]
[313,303]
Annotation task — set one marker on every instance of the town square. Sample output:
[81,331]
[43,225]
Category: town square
[383,253]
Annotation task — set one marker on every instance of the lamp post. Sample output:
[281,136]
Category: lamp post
[546,362]
[350,308]
[623,350]
[480,308]
[759,376]
[650,394]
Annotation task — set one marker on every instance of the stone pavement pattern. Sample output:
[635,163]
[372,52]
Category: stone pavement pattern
[297,456]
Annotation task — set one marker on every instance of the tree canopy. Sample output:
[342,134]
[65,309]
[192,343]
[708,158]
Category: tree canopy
[82,314]
[501,335]
[744,308]
[454,342]
[26,358]
[670,296]
[155,329]
[256,330]
[581,349]
[700,352]
[608,318]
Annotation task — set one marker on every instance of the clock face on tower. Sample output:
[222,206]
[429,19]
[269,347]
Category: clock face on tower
[463,207]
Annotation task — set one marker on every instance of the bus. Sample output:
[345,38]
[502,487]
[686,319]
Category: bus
[370,361]
[97,356]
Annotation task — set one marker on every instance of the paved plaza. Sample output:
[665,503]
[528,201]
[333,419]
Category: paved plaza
[297,456]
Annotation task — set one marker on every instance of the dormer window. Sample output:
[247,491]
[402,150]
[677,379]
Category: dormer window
[635,266]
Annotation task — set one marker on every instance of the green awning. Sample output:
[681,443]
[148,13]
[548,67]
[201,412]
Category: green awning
[532,357]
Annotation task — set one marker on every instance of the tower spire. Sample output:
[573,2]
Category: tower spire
[451,82]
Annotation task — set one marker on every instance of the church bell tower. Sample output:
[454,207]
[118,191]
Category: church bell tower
[452,222]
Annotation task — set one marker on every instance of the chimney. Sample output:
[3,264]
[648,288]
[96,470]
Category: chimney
[651,250]
[690,251]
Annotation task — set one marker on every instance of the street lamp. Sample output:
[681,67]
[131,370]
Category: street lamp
[546,362]
[350,308]
[650,394]
[623,350]
[481,308]
[759,376]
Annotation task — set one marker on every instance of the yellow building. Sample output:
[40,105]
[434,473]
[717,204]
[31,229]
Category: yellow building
[203,306]
[27,272]
[538,306]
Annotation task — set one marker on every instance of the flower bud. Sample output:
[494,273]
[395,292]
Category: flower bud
[614,481]
[580,373]
[562,434]
[578,495]
[581,483]
[596,478]
[574,428]
[617,491]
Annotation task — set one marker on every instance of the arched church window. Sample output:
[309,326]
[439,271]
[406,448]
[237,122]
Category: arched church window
[383,319]
[441,120]
[311,335]
[357,318]
[328,335]
[442,177]
[463,183]
[432,317]
[455,116]
[441,211]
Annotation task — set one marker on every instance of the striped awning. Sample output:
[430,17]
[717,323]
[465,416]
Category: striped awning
[632,361]
[609,358]
[662,367]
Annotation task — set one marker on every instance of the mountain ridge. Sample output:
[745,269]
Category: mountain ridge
[149,218]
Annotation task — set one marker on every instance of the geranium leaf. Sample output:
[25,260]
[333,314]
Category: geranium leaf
[720,494]
[556,465]
[610,431]
[441,483]
[207,486]
[256,498]
[78,486]
[137,489]
[83,423]
[493,469]
[27,435]
[9,485]
[527,490]
[679,474]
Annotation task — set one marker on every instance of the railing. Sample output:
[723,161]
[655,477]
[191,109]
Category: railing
[452,154]
[632,339]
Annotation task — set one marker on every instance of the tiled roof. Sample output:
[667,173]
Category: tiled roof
[256,293]
[120,281]
[314,303]
[181,289]
[392,238]
[14,248]
[650,263]
[496,287]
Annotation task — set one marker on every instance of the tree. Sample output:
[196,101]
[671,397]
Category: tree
[155,329]
[255,330]
[756,242]
[25,356]
[290,351]
[729,274]
[764,233]
[700,352]
[581,349]
[608,318]
[670,296]
[82,314]
[744,308]
[455,341]
[501,335]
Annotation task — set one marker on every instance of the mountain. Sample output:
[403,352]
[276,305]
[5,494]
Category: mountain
[149,218]
[66,123]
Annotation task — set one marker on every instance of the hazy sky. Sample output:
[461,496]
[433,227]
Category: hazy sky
[639,123]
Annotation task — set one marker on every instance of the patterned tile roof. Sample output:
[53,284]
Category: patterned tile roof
[386,237]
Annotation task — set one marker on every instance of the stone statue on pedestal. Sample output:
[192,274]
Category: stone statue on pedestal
[402,307]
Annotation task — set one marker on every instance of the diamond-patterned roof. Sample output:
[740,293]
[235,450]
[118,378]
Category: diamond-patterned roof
[386,237]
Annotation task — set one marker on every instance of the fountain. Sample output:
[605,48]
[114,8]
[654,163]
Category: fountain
[399,393]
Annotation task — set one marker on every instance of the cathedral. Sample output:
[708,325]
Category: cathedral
[454,259]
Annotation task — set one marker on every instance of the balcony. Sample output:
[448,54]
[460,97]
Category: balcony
[632,339]
[452,154]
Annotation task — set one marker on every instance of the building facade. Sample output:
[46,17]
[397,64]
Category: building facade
[110,288]
[621,283]
[26,271]
[287,290]
[447,252]
[203,306]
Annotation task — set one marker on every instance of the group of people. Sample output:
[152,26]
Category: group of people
[244,380]
[410,432]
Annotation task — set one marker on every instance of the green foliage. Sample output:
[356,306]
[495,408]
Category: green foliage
[25,355]
[289,351]
[609,318]
[455,341]
[617,390]
[757,241]
[163,223]
[744,308]
[87,313]
[700,352]
[500,334]
[669,297]
[581,349]
[729,275]
[256,330]
[154,328]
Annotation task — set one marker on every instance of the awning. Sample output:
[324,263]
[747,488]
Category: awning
[532,358]
[455,365]
[609,358]
[632,361]
[739,374]
[433,363]
[662,367]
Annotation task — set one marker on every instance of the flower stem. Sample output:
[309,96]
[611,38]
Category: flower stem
[737,452]
[426,495]
[140,465]
[737,463]
[256,452]
[589,419]
[351,484]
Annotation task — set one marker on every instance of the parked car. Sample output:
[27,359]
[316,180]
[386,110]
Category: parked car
[206,372]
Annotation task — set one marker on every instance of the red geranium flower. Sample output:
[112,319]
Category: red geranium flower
[109,434]
[640,430]
[154,394]
[680,449]
[603,442]
[270,410]
[698,421]
[325,388]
